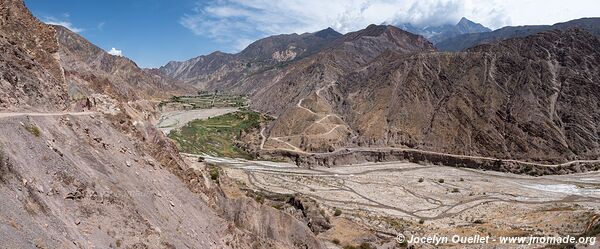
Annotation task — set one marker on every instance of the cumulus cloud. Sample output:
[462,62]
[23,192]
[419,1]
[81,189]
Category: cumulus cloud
[238,21]
[64,23]
[115,51]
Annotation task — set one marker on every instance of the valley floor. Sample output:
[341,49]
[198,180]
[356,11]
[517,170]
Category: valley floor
[400,197]
[377,201]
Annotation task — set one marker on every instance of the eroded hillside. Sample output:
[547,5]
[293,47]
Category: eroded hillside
[81,166]
[529,98]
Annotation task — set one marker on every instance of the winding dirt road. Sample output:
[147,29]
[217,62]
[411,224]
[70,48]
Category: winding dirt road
[322,117]
[44,114]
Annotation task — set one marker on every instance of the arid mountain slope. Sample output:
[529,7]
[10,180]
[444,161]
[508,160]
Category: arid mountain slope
[106,178]
[462,42]
[218,69]
[202,70]
[89,69]
[30,74]
[275,90]
[100,181]
[533,98]
[46,67]
[296,92]
[92,186]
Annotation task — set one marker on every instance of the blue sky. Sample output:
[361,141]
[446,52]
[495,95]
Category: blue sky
[149,32]
[153,32]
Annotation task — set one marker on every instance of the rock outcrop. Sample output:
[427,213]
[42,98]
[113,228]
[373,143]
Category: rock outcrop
[30,74]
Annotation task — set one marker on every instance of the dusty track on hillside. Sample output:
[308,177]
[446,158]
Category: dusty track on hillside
[44,114]
[322,117]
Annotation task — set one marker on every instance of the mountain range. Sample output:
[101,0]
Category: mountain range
[82,165]
[437,34]
[464,41]
[385,87]
[218,69]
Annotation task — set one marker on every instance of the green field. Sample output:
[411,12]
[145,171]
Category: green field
[209,100]
[217,136]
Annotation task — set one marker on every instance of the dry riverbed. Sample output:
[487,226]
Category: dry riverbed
[378,200]
[177,119]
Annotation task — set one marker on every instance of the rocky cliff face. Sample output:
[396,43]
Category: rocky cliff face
[462,42]
[220,70]
[30,72]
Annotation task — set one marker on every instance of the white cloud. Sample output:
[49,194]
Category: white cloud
[64,23]
[100,25]
[241,43]
[115,51]
[537,12]
[237,21]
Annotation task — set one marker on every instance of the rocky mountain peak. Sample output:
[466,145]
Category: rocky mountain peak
[374,30]
[288,44]
[439,33]
[219,53]
[328,33]
[466,26]
[465,21]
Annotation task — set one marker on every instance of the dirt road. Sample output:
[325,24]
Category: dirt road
[42,114]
